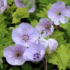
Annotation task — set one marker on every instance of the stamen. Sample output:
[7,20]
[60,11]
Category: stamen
[25,37]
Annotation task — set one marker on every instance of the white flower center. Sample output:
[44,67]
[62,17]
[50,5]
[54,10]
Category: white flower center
[59,13]
[18,54]
[48,27]
[36,56]
[25,37]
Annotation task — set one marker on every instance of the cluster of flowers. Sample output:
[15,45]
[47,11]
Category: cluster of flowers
[30,44]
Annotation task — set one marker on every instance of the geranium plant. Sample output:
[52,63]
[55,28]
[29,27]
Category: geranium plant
[34,35]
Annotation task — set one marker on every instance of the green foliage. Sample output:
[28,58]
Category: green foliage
[34,22]
[68,29]
[56,34]
[47,1]
[5,38]
[43,13]
[20,13]
[15,68]
[1,63]
[60,57]
[10,1]
[26,67]
[2,18]
[64,26]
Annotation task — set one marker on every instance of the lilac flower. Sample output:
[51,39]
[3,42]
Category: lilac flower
[3,5]
[58,12]
[19,3]
[14,54]
[25,34]
[45,27]
[52,43]
[34,53]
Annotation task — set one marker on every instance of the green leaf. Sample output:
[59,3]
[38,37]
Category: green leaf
[25,2]
[56,34]
[68,29]
[30,5]
[64,26]
[43,13]
[1,63]
[20,13]
[26,67]
[2,18]
[47,50]
[10,1]
[5,38]
[60,57]
[34,22]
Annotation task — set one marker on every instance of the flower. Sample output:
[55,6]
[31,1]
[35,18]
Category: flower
[3,5]
[25,34]
[58,12]
[14,54]
[19,3]
[34,53]
[52,43]
[45,27]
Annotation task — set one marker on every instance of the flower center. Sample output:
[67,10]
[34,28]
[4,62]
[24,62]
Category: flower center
[21,1]
[36,56]
[25,37]
[59,13]
[18,54]
[48,27]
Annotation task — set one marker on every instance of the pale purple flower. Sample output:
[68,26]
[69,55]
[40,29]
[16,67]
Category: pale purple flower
[3,5]
[52,43]
[34,53]
[14,54]
[58,12]
[19,3]
[45,27]
[25,34]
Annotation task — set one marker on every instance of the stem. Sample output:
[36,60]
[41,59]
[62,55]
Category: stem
[46,63]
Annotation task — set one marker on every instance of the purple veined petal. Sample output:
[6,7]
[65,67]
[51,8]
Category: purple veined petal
[16,36]
[14,54]
[39,26]
[9,51]
[45,21]
[3,5]
[34,36]
[64,20]
[34,53]
[56,22]
[43,42]
[52,44]
[18,4]
[26,28]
